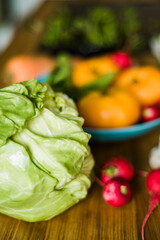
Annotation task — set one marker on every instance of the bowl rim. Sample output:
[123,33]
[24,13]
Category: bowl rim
[135,127]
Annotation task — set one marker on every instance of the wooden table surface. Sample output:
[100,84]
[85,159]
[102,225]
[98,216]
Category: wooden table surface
[92,218]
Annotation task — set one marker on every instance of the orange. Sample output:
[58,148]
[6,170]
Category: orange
[143,82]
[116,108]
[87,71]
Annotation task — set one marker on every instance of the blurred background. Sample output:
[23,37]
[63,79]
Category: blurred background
[12,12]
[129,23]
[81,46]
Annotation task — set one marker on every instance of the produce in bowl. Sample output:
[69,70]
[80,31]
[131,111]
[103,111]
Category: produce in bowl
[119,91]
[45,160]
[88,70]
[143,82]
[113,108]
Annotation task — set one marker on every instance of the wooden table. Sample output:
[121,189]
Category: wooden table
[92,218]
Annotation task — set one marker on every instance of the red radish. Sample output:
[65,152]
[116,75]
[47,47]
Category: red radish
[153,187]
[117,167]
[117,192]
[122,59]
[150,113]
[153,182]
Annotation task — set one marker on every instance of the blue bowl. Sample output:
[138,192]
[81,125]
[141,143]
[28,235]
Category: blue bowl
[124,133]
[43,78]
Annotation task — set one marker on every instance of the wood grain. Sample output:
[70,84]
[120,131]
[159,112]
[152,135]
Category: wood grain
[92,218]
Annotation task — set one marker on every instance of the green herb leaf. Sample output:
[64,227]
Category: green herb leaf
[100,84]
[60,78]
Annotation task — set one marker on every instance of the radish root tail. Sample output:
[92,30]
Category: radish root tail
[154,201]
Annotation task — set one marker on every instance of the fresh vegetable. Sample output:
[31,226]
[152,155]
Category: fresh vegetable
[109,109]
[117,192]
[45,161]
[60,78]
[117,167]
[96,29]
[122,59]
[100,83]
[153,182]
[150,113]
[153,187]
[143,82]
[90,70]
[154,157]
[102,25]
[24,67]
[115,175]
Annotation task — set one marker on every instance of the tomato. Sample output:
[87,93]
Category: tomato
[112,109]
[143,82]
[87,71]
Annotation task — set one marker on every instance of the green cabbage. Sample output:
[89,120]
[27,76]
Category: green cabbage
[45,160]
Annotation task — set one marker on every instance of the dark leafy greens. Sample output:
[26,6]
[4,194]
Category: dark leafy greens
[96,28]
